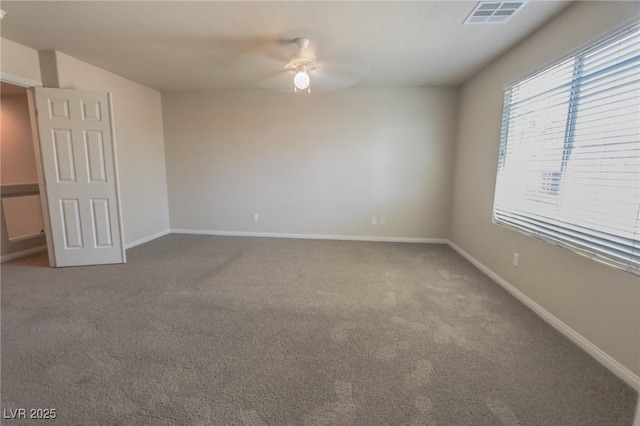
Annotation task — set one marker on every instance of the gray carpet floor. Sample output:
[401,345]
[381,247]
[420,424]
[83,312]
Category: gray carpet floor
[204,330]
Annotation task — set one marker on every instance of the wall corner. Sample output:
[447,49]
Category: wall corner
[49,68]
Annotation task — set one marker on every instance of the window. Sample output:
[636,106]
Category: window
[569,158]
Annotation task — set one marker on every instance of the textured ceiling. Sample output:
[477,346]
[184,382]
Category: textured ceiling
[200,45]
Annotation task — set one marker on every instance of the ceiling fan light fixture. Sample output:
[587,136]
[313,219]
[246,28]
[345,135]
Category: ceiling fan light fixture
[301,80]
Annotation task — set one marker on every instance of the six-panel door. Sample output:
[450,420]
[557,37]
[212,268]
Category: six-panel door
[78,164]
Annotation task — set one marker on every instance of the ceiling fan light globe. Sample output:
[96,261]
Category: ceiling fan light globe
[301,80]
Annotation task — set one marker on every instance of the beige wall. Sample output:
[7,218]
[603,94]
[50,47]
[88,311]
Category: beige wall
[18,60]
[17,159]
[139,133]
[319,165]
[599,302]
[140,144]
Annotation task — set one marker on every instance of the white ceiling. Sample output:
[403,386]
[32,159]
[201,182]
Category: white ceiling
[204,45]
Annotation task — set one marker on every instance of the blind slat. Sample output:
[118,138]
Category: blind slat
[569,158]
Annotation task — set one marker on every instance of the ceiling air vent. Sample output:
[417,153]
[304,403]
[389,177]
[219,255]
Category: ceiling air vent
[490,12]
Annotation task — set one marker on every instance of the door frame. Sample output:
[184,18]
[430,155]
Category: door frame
[30,85]
[46,219]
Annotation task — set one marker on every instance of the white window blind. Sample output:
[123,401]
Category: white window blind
[569,159]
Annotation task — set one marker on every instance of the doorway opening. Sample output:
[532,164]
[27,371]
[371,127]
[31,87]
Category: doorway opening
[21,221]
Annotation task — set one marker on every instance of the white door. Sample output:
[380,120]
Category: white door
[78,166]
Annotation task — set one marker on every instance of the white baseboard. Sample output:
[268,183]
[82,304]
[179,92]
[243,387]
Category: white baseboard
[618,369]
[312,236]
[146,239]
[23,253]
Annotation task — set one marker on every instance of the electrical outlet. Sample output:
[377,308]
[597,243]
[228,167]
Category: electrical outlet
[516,259]
[256,217]
[381,220]
[374,220]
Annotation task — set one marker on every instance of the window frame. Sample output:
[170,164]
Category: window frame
[575,85]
